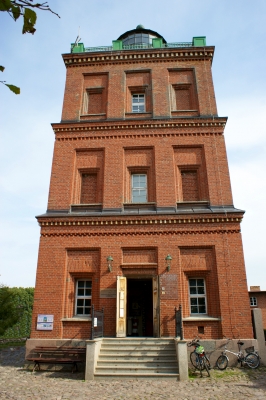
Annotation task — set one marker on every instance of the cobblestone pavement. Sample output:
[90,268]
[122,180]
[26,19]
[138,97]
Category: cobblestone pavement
[18,383]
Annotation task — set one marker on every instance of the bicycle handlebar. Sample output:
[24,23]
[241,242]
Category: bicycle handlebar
[194,342]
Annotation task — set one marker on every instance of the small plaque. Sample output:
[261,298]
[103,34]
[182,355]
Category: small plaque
[95,322]
[44,326]
[108,294]
[45,318]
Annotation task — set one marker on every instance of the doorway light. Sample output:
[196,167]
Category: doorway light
[110,263]
[168,260]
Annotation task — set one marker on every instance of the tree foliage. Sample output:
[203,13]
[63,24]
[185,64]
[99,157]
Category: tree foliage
[15,311]
[25,9]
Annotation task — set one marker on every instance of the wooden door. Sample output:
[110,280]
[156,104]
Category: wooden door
[121,306]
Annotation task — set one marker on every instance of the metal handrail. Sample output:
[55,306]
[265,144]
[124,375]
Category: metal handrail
[97,331]
[178,322]
[138,47]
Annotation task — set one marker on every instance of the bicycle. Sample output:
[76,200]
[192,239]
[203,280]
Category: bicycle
[252,359]
[198,358]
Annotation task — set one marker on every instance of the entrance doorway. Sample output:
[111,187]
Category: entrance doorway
[139,307]
[142,304]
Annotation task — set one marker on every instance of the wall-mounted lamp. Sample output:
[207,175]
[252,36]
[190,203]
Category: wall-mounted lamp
[168,260]
[110,262]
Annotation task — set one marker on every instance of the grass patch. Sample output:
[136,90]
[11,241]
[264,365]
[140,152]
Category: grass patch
[228,373]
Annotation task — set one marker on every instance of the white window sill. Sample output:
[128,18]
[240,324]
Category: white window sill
[200,318]
[76,319]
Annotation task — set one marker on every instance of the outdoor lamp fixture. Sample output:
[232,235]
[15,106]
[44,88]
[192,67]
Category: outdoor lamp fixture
[168,260]
[109,262]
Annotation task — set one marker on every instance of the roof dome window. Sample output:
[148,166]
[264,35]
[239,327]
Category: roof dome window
[139,36]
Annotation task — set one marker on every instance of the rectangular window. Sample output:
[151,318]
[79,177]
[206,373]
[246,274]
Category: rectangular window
[197,294]
[138,103]
[253,301]
[83,297]
[139,188]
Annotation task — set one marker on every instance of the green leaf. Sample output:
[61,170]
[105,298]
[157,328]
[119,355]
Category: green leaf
[2,68]
[5,5]
[13,88]
[30,18]
[15,12]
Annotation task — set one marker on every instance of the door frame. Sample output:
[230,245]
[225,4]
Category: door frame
[121,303]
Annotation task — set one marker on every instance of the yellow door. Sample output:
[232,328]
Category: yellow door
[121,306]
[156,318]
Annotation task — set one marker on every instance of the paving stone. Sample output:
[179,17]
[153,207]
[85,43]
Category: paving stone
[17,383]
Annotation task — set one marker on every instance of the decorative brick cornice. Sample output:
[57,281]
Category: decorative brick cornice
[138,56]
[111,130]
[141,233]
[104,222]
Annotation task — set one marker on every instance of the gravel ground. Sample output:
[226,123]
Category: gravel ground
[16,382]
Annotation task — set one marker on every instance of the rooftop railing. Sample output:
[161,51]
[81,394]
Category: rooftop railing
[157,43]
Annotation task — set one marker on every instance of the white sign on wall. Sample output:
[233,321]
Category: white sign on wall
[45,322]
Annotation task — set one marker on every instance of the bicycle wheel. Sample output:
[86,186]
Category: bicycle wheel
[205,362]
[252,360]
[194,359]
[208,361]
[222,362]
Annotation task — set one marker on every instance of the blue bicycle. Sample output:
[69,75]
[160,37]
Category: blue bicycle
[198,358]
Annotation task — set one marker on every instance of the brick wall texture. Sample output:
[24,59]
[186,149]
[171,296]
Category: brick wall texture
[178,143]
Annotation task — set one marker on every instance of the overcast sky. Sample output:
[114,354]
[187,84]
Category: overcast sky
[236,28]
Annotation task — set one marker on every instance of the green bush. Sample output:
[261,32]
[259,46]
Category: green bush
[15,311]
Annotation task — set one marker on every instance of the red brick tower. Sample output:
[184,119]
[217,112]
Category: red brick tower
[140,215]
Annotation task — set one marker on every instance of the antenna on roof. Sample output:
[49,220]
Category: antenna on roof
[78,39]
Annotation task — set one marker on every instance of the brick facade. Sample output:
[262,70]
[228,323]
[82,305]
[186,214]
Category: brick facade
[258,300]
[178,144]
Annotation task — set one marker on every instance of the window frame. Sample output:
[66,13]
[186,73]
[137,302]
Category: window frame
[253,301]
[139,103]
[139,188]
[197,296]
[83,297]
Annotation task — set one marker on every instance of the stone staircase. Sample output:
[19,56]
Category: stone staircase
[139,358]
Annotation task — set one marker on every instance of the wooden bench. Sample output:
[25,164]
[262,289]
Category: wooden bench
[57,355]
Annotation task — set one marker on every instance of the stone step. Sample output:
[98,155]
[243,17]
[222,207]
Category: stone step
[139,369]
[108,347]
[136,364]
[124,376]
[137,357]
[136,353]
[139,341]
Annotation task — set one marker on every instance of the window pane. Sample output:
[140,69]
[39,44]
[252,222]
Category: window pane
[80,302]
[201,290]
[80,284]
[79,310]
[202,310]
[201,301]
[200,282]
[80,292]
[87,302]
[194,310]
[192,282]
[193,301]
[135,180]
